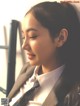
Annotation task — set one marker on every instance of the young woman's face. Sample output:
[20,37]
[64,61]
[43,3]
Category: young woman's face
[39,46]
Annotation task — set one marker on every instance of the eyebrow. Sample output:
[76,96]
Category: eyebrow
[30,29]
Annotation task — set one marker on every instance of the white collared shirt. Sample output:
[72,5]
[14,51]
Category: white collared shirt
[46,81]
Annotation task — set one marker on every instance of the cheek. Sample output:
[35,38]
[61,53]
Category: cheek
[45,51]
[42,48]
[37,48]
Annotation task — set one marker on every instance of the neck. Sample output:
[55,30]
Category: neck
[48,68]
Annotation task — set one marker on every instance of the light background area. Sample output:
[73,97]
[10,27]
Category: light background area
[9,10]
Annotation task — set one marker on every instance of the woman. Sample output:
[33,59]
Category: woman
[51,40]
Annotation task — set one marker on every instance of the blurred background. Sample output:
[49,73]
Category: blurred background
[15,10]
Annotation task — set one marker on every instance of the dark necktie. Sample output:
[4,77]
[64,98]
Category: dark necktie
[27,96]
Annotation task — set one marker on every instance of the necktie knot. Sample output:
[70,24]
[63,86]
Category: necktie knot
[36,84]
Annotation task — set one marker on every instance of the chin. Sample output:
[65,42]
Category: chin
[33,63]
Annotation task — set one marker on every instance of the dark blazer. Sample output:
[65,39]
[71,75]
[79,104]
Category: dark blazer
[73,97]
[62,87]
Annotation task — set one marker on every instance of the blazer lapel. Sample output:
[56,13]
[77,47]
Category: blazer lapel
[25,73]
[62,87]
[59,91]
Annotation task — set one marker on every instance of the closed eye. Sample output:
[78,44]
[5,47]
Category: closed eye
[33,37]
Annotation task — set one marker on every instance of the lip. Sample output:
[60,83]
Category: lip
[30,56]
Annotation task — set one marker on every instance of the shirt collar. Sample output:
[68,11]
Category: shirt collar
[51,76]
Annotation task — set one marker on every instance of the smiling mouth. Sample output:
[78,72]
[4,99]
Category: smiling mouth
[30,56]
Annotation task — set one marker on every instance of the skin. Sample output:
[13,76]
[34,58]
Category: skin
[41,49]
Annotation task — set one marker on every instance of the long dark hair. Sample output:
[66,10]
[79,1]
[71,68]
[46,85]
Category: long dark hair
[55,16]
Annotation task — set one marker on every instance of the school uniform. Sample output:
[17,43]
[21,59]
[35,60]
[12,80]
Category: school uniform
[54,86]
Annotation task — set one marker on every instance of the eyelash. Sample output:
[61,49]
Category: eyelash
[32,37]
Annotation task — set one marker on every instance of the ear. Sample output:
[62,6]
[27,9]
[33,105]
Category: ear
[62,37]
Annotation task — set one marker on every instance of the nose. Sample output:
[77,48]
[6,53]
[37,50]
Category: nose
[25,44]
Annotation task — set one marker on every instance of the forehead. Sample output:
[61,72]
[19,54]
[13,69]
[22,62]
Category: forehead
[29,21]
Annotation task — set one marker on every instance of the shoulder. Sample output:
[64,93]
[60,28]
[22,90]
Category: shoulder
[26,69]
[26,72]
[73,97]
